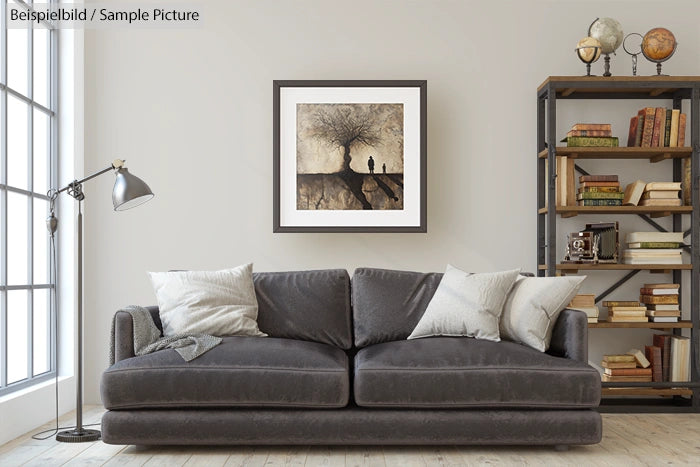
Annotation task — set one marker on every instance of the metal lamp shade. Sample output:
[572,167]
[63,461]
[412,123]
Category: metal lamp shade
[129,191]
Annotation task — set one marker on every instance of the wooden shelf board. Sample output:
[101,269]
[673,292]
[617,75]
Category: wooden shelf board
[648,325]
[618,267]
[655,211]
[647,392]
[650,86]
[653,154]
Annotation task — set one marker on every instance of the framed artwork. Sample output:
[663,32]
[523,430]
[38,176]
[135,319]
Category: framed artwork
[349,156]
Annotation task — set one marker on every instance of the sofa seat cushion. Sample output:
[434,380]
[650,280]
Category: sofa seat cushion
[462,372]
[241,371]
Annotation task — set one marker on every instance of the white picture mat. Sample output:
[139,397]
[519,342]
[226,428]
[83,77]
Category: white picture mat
[409,216]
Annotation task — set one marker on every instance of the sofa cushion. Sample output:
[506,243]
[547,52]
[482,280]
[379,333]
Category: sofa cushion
[306,305]
[461,372]
[387,305]
[241,371]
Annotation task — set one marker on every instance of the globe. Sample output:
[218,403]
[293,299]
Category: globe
[609,32]
[658,44]
[588,49]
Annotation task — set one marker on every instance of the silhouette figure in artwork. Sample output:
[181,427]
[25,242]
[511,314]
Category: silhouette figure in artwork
[384,168]
[370,164]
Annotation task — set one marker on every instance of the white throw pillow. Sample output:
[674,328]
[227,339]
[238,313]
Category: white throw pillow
[220,303]
[533,307]
[466,304]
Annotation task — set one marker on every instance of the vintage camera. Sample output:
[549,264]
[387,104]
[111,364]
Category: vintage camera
[597,243]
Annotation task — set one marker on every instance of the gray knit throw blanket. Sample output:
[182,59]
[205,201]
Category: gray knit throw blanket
[147,337]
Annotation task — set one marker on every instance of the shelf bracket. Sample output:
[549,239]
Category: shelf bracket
[660,157]
[617,284]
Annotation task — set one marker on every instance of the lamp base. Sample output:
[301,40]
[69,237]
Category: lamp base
[78,436]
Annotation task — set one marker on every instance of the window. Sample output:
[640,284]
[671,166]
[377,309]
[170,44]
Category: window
[27,171]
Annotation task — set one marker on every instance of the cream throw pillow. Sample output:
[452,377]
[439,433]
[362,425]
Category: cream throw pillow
[466,304]
[533,307]
[220,303]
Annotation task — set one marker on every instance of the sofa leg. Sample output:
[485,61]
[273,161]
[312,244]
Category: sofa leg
[561,447]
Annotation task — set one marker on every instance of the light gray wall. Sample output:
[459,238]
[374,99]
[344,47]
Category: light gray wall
[191,111]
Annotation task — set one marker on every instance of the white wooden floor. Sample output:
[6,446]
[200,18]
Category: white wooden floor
[627,440]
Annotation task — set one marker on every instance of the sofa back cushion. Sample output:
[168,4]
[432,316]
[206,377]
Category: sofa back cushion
[305,305]
[387,304]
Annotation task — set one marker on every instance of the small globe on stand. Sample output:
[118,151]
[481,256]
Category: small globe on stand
[588,51]
[609,32]
[658,45]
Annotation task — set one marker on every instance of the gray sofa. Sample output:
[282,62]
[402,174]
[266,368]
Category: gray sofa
[337,369]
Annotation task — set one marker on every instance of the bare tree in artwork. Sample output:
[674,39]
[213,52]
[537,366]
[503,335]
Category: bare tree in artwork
[343,128]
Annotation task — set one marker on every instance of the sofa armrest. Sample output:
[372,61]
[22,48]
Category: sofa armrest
[570,336]
[124,333]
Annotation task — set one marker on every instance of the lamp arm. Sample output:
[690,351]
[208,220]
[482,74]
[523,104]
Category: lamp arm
[117,164]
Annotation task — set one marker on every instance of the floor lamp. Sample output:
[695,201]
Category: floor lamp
[129,191]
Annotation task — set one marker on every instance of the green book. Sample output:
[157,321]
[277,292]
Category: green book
[599,189]
[654,245]
[667,128]
[600,195]
[592,141]
[600,202]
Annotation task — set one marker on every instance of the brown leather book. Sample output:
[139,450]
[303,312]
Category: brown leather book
[659,122]
[681,130]
[653,354]
[605,364]
[634,121]
[648,131]
[592,126]
[597,178]
[628,371]
[671,299]
[663,341]
[590,184]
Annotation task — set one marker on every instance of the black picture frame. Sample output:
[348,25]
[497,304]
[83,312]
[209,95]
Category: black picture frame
[419,207]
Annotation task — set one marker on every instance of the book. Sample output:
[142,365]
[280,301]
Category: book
[632,136]
[652,251]
[633,193]
[603,195]
[627,319]
[648,130]
[680,359]
[663,186]
[589,133]
[673,139]
[591,311]
[653,354]
[659,120]
[627,371]
[663,341]
[627,308]
[610,303]
[664,313]
[668,285]
[600,202]
[617,365]
[592,126]
[660,202]
[592,319]
[681,130]
[599,189]
[686,183]
[667,129]
[565,185]
[653,245]
[625,379]
[591,141]
[656,299]
[660,194]
[583,299]
[619,358]
[639,356]
[599,184]
[649,260]
[640,128]
[663,319]
[663,307]
[645,291]
[598,178]
[633,237]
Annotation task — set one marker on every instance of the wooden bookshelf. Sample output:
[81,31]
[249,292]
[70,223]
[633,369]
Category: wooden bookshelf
[573,267]
[631,391]
[649,325]
[653,211]
[652,154]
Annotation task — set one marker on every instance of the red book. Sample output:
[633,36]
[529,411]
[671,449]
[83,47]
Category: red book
[659,124]
[653,354]
[681,130]
[648,130]
[633,131]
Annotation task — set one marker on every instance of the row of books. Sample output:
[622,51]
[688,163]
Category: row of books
[605,190]
[657,127]
[667,359]
[591,135]
[639,193]
[653,248]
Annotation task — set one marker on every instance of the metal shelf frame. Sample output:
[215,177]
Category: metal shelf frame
[676,89]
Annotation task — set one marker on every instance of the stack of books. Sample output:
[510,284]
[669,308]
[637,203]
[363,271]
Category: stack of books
[585,303]
[599,190]
[661,301]
[591,135]
[628,311]
[661,194]
[630,367]
[653,248]
[657,127]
